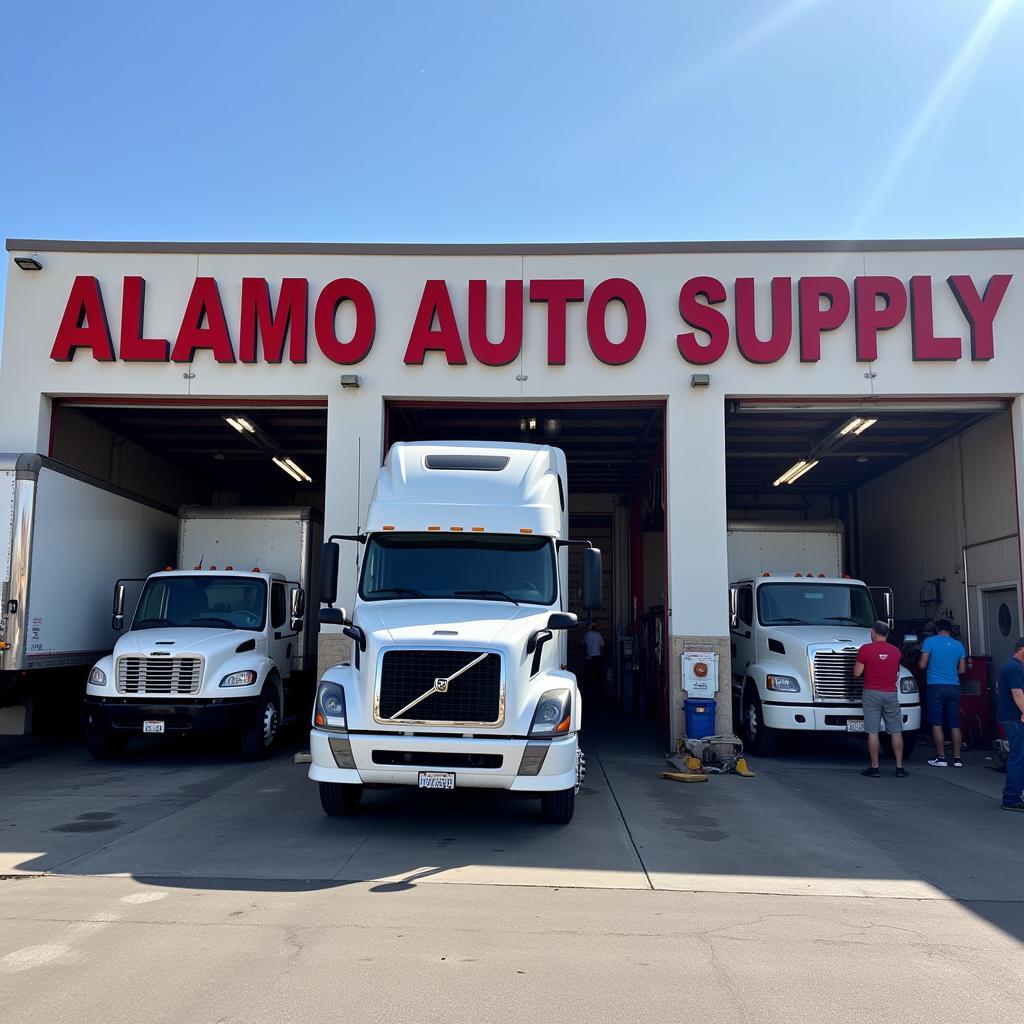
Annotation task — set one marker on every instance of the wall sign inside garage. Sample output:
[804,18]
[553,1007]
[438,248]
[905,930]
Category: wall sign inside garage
[261,329]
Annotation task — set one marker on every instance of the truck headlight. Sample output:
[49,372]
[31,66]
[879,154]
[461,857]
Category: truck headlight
[783,684]
[246,678]
[97,677]
[553,714]
[908,684]
[329,710]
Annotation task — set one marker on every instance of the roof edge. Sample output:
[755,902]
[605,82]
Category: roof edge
[514,249]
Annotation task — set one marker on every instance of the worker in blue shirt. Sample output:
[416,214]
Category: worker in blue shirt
[1010,713]
[945,660]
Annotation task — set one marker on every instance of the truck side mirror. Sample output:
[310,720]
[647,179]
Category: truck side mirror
[734,608]
[333,616]
[590,579]
[562,620]
[298,609]
[884,605]
[117,621]
[330,559]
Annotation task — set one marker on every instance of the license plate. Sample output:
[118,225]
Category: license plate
[855,725]
[437,780]
[152,726]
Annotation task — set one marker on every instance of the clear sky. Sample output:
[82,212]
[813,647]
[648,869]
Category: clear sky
[526,121]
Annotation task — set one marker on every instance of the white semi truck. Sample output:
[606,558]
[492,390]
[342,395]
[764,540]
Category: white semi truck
[64,538]
[218,644]
[796,623]
[457,676]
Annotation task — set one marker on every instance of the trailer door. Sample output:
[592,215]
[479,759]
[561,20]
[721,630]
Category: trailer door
[7,480]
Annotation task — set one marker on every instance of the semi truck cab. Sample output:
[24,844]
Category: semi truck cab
[794,642]
[458,670]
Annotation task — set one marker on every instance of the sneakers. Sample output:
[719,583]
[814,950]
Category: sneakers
[871,773]
[957,763]
[939,762]
[1018,806]
[901,772]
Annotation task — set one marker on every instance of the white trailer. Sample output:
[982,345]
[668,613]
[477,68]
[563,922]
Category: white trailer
[457,675]
[65,538]
[224,643]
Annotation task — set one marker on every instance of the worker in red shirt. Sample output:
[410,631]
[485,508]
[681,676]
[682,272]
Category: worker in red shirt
[879,663]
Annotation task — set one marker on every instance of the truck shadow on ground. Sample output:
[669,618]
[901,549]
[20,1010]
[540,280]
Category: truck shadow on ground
[808,825]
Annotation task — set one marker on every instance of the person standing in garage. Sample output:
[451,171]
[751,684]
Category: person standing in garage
[1010,713]
[945,659]
[879,663]
[593,670]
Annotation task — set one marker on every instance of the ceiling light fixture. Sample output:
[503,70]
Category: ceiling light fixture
[785,478]
[808,466]
[282,465]
[243,426]
[856,426]
[864,426]
[302,473]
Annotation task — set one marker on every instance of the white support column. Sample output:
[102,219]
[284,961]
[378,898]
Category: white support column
[696,517]
[355,424]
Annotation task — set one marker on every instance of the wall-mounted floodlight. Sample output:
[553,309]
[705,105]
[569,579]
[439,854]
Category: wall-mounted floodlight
[700,380]
[28,263]
[350,380]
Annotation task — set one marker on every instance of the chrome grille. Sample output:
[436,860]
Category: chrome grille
[475,697]
[833,677]
[138,674]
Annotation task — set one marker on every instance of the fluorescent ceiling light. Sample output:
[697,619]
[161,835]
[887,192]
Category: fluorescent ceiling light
[807,468]
[851,426]
[302,473]
[786,477]
[281,464]
[864,424]
[243,426]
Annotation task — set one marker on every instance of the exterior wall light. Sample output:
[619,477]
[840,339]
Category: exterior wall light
[28,263]
[350,380]
[700,380]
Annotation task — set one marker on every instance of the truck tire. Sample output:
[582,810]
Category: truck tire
[558,807]
[340,798]
[258,739]
[759,739]
[104,745]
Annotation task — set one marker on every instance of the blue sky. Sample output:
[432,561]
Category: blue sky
[529,121]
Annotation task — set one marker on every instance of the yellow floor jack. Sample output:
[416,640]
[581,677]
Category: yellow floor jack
[711,755]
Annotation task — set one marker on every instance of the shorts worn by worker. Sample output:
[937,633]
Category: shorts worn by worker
[879,704]
[943,705]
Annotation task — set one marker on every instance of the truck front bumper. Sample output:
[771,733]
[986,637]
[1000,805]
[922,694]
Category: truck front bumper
[126,715]
[482,763]
[828,717]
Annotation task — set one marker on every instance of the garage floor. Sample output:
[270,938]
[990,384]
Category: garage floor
[808,824]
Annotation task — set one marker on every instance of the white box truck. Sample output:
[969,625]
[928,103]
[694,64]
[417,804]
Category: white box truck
[65,537]
[222,643]
[457,677]
[796,624]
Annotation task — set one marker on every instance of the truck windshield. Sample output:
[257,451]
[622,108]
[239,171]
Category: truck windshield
[225,602]
[814,604]
[428,565]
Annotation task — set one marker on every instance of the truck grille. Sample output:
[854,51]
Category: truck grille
[833,677]
[136,674]
[475,697]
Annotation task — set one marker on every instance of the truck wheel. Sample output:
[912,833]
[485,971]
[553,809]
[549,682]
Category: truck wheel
[259,737]
[558,807]
[104,745]
[758,737]
[340,798]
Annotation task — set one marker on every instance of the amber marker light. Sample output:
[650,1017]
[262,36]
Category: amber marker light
[563,725]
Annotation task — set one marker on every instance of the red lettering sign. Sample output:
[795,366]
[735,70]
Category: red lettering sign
[345,289]
[84,324]
[926,347]
[703,318]
[435,302]
[557,294]
[753,348]
[258,319]
[869,318]
[980,312]
[503,352]
[616,289]
[814,319]
[204,307]
[135,347]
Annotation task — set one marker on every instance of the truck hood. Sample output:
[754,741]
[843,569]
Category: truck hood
[182,640]
[430,622]
[837,635]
